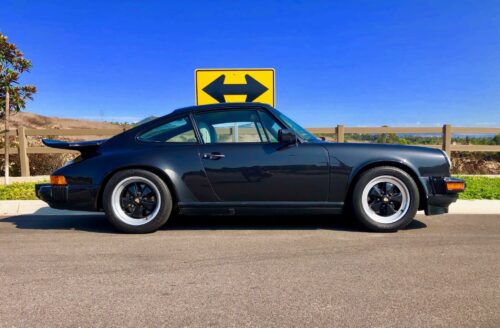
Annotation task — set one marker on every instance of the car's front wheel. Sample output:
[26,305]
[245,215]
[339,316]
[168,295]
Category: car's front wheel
[385,199]
[137,201]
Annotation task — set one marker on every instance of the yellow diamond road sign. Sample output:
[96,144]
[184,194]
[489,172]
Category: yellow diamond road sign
[214,86]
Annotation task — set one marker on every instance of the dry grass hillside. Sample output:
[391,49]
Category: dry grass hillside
[35,121]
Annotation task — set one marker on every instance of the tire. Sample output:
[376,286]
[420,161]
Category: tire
[385,199]
[137,201]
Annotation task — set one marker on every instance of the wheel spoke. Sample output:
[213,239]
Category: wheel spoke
[146,191]
[375,192]
[396,198]
[144,187]
[126,199]
[388,210]
[132,189]
[137,213]
[376,205]
[124,202]
[138,189]
[389,188]
[130,208]
[149,205]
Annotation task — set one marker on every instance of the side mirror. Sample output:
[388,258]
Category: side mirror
[286,136]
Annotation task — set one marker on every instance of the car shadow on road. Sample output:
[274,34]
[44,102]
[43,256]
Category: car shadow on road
[90,223]
[98,223]
[336,222]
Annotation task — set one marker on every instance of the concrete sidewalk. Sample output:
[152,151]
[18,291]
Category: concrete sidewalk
[19,207]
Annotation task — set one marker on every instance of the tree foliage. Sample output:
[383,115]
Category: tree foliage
[12,65]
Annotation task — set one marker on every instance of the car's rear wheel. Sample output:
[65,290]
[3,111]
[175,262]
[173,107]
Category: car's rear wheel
[137,201]
[385,199]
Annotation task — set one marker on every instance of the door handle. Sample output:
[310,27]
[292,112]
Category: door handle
[213,156]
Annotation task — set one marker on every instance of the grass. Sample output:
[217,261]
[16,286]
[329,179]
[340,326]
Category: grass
[477,188]
[481,188]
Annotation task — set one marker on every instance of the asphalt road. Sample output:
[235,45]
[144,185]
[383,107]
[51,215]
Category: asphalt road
[250,272]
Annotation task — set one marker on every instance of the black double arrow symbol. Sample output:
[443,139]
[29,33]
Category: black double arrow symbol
[252,89]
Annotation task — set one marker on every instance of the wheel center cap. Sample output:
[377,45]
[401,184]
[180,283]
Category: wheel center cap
[386,199]
[137,200]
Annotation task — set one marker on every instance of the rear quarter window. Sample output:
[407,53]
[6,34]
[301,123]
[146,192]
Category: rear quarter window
[174,131]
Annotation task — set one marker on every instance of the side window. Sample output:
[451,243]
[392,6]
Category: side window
[231,126]
[270,125]
[178,130]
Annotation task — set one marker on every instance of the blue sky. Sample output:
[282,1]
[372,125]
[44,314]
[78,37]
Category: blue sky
[352,62]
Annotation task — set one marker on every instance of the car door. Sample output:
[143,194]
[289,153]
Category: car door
[244,161]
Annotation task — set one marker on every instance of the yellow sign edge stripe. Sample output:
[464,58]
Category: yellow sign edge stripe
[232,69]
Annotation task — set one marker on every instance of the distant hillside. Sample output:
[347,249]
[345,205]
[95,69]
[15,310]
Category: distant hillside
[36,121]
[147,119]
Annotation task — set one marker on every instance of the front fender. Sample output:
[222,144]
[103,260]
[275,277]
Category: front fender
[349,160]
[397,162]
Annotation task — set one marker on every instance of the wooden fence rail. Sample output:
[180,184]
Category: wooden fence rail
[446,131]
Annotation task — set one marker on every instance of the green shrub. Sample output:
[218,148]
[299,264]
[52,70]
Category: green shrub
[18,191]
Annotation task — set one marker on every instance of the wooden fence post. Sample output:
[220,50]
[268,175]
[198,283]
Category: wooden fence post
[340,133]
[447,139]
[23,154]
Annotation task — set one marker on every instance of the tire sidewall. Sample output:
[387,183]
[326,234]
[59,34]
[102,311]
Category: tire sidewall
[165,205]
[362,216]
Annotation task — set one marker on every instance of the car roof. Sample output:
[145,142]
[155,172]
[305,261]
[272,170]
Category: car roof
[238,105]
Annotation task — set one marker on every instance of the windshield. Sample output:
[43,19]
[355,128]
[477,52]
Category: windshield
[300,131]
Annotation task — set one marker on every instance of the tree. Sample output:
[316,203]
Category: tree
[13,96]
[390,138]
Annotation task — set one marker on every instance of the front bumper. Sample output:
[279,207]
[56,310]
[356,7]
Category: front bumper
[439,197]
[69,197]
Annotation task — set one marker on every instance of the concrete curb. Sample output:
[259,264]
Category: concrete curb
[23,207]
[35,178]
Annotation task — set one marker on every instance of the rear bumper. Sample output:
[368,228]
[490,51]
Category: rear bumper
[439,198]
[69,197]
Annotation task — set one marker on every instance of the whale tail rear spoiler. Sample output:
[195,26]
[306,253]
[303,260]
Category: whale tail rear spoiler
[84,147]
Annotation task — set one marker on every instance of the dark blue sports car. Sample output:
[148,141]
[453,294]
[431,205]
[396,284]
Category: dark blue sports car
[246,158]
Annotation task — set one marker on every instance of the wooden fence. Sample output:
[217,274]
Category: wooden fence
[340,131]
[23,149]
[446,132]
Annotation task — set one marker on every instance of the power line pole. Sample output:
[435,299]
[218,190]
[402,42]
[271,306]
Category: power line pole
[7,145]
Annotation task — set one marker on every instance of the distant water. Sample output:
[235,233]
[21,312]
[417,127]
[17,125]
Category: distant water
[454,135]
